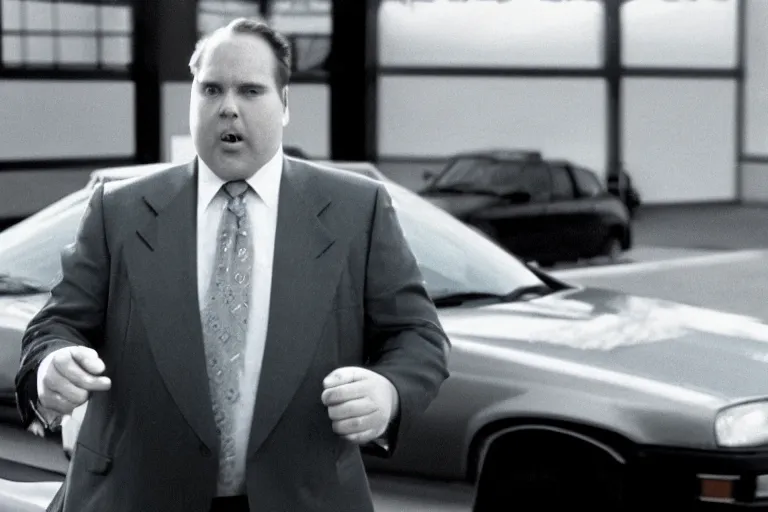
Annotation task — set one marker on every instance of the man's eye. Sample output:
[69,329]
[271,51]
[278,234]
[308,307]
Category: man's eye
[210,90]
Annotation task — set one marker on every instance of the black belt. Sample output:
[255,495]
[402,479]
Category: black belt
[230,504]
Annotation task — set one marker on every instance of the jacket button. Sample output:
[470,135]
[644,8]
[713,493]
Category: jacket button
[205,451]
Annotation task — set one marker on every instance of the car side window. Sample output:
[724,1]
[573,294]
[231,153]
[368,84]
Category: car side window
[506,175]
[562,186]
[535,180]
[587,183]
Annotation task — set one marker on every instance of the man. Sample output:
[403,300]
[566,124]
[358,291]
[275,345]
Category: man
[241,327]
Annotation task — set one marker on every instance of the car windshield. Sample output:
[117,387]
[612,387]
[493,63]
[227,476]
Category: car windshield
[481,173]
[454,258]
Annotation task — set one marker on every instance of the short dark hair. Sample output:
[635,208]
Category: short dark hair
[279,44]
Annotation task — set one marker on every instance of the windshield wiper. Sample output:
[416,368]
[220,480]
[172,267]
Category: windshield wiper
[457,299]
[463,188]
[17,285]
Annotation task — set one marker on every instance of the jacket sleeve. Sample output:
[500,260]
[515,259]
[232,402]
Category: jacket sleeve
[404,339]
[74,312]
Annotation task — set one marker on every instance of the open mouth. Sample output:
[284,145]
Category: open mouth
[231,137]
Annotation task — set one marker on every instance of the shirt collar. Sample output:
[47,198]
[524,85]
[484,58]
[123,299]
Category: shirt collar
[265,182]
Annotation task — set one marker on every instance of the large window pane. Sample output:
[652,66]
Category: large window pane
[77,17]
[679,34]
[116,51]
[116,18]
[38,15]
[528,33]
[78,50]
[756,80]
[40,50]
[429,117]
[89,118]
[12,50]
[11,14]
[680,138]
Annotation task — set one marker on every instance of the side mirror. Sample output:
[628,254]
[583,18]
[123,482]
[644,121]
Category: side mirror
[427,174]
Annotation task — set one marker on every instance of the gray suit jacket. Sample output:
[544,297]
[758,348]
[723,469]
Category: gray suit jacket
[346,291]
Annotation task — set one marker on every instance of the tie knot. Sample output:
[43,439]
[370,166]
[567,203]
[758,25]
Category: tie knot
[235,188]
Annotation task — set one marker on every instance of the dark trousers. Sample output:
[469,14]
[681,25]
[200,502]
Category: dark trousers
[230,504]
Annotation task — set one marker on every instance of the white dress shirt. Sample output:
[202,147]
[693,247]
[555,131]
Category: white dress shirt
[261,202]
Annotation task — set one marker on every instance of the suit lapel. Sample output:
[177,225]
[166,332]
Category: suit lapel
[305,272]
[163,270]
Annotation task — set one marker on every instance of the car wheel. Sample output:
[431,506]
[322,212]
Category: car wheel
[558,476]
[611,250]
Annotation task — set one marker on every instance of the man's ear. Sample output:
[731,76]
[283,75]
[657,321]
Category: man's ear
[286,110]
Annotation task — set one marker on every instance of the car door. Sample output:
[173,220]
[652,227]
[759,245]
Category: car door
[521,226]
[31,467]
[591,193]
[566,215]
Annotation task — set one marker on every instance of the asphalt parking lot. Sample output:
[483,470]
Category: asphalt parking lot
[710,256]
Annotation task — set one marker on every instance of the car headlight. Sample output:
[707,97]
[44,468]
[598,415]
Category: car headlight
[742,425]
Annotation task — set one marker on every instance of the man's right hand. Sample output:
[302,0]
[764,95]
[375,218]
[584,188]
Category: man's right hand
[66,378]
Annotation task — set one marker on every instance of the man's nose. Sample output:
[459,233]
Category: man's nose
[228,107]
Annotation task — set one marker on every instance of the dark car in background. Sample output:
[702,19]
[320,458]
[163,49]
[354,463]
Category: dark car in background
[539,209]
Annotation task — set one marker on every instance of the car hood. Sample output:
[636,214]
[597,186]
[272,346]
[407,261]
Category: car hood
[17,310]
[653,346]
[459,204]
[649,344]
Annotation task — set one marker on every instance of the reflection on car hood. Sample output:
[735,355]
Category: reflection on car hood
[679,351]
[17,310]
[459,204]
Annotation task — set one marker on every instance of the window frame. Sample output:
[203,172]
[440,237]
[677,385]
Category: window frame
[568,172]
[56,69]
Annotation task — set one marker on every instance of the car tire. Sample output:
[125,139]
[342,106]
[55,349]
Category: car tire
[611,249]
[538,480]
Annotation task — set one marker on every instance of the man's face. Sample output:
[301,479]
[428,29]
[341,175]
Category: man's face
[236,113]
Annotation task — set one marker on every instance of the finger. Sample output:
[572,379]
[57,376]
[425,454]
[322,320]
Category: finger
[59,384]
[363,437]
[355,425]
[352,409]
[37,428]
[75,374]
[57,403]
[344,393]
[88,359]
[342,376]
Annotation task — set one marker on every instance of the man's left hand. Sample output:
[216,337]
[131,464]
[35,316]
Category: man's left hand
[360,403]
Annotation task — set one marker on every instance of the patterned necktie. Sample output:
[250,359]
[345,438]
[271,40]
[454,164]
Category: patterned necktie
[225,322]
